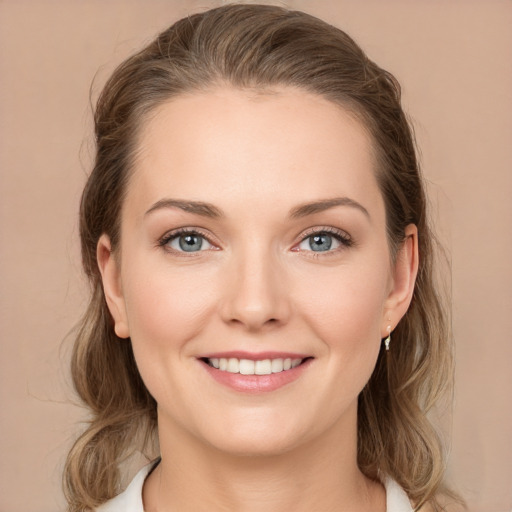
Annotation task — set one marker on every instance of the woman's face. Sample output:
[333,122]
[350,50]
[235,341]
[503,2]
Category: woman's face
[253,238]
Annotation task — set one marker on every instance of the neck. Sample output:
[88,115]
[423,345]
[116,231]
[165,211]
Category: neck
[320,475]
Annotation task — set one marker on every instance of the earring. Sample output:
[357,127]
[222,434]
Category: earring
[387,341]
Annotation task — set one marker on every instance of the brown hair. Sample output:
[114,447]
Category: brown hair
[258,47]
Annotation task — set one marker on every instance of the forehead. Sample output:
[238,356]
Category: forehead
[282,144]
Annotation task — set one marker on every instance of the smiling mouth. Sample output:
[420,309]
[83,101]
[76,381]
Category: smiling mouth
[254,367]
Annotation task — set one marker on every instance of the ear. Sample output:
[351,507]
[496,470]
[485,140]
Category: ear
[404,275]
[111,277]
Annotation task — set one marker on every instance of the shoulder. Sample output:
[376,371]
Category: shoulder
[130,500]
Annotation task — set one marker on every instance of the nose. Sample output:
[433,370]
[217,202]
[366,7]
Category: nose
[256,295]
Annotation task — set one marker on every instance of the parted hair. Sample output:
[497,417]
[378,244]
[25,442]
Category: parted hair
[258,47]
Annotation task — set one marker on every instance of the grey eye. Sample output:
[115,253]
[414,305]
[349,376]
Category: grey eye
[189,242]
[319,242]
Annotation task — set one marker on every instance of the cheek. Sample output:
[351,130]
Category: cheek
[166,306]
[347,319]
[344,308]
[345,299]
[166,309]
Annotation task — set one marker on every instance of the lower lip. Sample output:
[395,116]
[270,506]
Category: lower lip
[256,383]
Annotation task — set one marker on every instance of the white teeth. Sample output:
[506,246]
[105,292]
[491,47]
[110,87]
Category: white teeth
[233,365]
[246,367]
[263,367]
[250,367]
[277,365]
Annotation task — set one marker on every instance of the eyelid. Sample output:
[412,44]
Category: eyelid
[175,233]
[324,229]
[342,236]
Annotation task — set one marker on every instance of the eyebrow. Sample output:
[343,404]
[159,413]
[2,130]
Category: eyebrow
[326,204]
[195,207]
[303,210]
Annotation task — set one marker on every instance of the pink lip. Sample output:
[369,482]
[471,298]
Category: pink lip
[255,384]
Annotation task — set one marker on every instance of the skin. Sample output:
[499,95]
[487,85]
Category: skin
[258,286]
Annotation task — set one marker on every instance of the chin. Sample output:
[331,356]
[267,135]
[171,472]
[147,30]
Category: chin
[244,446]
[257,438]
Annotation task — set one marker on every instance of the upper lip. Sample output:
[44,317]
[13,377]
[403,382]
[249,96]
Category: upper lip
[254,356]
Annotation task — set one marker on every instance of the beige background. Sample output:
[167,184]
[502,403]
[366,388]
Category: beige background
[454,61]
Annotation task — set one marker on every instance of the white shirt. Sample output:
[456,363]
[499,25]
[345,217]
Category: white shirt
[131,499]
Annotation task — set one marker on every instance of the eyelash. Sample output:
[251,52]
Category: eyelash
[341,236]
[169,237]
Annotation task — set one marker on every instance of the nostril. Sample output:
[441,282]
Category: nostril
[254,307]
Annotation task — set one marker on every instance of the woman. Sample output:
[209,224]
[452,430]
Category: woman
[263,314]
